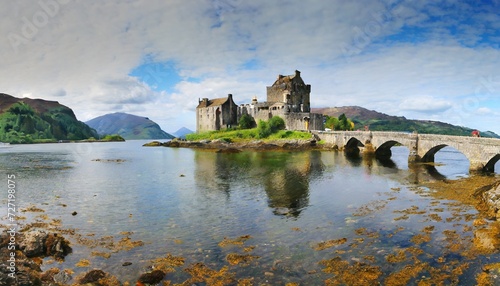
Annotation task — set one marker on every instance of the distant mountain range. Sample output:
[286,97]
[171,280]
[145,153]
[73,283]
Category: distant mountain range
[377,121]
[182,132]
[26,120]
[128,126]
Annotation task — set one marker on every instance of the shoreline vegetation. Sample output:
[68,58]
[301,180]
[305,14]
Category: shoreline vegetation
[107,138]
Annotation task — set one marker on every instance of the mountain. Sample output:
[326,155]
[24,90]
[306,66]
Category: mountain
[128,126]
[26,120]
[182,132]
[378,121]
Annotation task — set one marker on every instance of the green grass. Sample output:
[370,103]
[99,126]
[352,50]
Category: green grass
[288,134]
[246,135]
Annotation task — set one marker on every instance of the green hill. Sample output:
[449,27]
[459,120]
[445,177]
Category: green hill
[128,126]
[26,120]
[378,121]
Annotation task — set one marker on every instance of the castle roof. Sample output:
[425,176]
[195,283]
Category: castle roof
[287,78]
[214,102]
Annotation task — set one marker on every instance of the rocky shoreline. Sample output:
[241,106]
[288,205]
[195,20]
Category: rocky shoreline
[22,255]
[224,146]
[38,242]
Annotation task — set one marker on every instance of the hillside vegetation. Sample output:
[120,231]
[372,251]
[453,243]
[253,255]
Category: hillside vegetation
[377,121]
[35,120]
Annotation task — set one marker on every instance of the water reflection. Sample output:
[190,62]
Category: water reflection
[417,173]
[284,176]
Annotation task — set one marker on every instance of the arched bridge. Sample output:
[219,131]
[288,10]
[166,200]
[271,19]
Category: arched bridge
[482,153]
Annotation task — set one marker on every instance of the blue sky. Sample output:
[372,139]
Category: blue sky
[436,60]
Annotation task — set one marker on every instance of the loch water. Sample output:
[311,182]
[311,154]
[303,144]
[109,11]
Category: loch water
[185,202]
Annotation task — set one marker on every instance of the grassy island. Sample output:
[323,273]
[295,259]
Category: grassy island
[247,130]
[238,135]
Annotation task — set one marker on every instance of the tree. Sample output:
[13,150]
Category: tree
[246,122]
[331,122]
[276,123]
[340,123]
[263,129]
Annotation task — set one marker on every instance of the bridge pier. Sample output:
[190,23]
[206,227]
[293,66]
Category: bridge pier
[476,167]
[414,158]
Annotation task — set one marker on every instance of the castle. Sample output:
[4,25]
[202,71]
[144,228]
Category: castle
[288,98]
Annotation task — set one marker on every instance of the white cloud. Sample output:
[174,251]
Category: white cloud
[485,111]
[83,54]
[425,104]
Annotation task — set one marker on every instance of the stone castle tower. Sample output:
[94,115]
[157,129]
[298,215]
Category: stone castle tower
[292,91]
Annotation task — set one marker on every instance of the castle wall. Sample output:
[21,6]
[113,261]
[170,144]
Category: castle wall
[276,94]
[297,121]
[206,119]
[293,120]
[216,117]
[316,121]
[229,114]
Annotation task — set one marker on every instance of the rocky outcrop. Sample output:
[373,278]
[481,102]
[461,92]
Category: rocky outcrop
[24,268]
[490,196]
[41,244]
[223,146]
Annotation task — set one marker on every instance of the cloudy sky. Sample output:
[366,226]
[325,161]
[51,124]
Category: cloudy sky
[437,60]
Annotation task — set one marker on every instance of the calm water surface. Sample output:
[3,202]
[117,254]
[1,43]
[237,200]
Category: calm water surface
[185,202]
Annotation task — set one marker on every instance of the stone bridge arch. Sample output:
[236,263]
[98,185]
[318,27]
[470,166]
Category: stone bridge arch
[490,166]
[482,153]
[429,156]
[384,141]
[353,145]
[384,150]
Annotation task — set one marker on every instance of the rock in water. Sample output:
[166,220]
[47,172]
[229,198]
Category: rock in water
[153,277]
[33,243]
[490,195]
[92,276]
